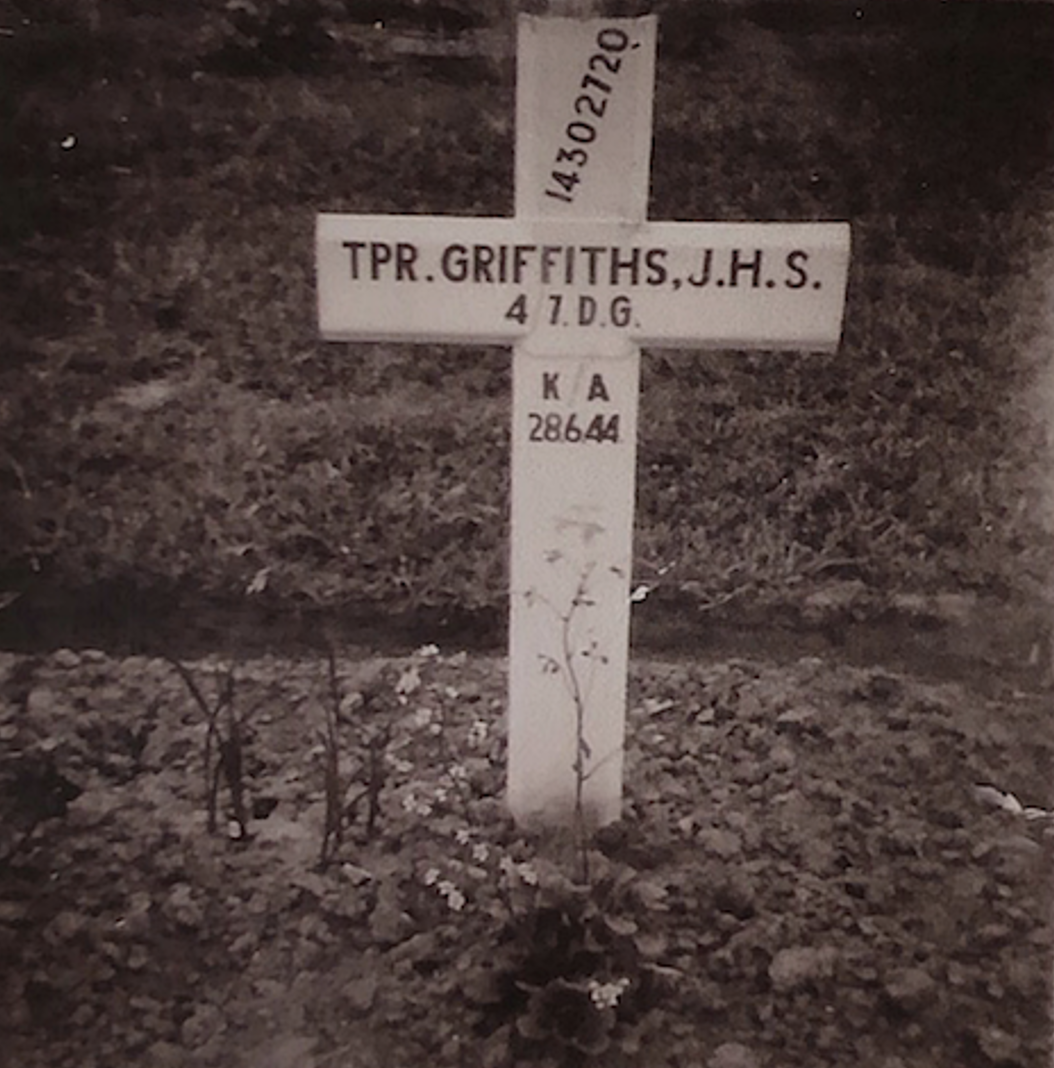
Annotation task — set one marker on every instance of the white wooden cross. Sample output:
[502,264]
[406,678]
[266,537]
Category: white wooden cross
[575,283]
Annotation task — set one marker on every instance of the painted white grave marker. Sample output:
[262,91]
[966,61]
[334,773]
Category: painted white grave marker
[576,282]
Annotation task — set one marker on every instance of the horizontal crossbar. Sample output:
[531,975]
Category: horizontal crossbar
[581,287]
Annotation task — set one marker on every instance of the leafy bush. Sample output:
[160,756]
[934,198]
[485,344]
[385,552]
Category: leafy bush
[574,967]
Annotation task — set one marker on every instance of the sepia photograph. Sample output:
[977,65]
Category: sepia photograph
[527,534]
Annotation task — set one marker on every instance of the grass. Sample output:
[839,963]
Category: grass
[170,416]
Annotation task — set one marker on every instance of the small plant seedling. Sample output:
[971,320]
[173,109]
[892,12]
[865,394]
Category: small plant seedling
[224,749]
[340,811]
[567,664]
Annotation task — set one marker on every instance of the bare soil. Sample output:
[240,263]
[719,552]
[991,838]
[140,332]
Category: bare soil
[840,865]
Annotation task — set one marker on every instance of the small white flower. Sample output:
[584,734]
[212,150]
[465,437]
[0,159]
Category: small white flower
[480,852]
[452,693]
[415,806]
[462,836]
[527,874]
[409,681]
[422,717]
[428,651]
[430,877]
[607,995]
[457,772]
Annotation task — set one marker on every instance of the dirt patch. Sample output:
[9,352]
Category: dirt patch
[819,865]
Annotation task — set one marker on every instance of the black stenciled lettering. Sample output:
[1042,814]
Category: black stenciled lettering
[621,311]
[796,261]
[405,258]
[581,133]
[612,64]
[567,180]
[381,253]
[586,104]
[517,312]
[592,253]
[603,428]
[587,310]
[702,275]
[655,262]
[577,156]
[752,266]
[553,427]
[353,254]
[598,389]
[550,385]
[569,265]
[613,39]
[454,263]
[519,261]
[589,82]
[482,263]
[550,253]
[589,106]
[630,265]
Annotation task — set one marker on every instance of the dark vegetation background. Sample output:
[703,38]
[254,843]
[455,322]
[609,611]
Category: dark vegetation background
[175,440]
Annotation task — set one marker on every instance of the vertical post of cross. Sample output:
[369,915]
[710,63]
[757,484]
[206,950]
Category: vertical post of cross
[583,147]
[575,282]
